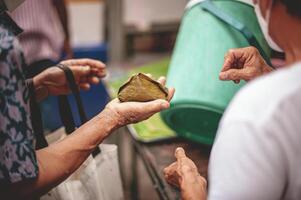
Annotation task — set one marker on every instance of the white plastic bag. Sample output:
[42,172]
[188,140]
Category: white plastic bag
[97,179]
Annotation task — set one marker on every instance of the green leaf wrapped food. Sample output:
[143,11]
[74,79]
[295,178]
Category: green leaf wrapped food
[142,88]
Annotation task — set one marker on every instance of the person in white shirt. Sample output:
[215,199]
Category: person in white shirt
[256,154]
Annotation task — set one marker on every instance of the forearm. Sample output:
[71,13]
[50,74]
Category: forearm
[60,160]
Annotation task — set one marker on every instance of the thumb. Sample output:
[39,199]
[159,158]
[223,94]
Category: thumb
[155,106]
[180,153]
[233,74]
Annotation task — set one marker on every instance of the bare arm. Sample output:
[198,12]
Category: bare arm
[60,160]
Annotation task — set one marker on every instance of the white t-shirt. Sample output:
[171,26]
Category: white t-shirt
[257,153]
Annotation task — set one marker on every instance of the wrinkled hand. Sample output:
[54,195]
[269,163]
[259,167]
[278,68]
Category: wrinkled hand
[133,112]
[184,175]
[243,64]
[85,71]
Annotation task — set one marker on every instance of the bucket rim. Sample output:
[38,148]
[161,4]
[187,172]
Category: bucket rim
[193,3]
[195,104]
[167,115]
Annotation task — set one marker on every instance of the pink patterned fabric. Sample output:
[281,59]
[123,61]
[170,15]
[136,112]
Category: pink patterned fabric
[43,36]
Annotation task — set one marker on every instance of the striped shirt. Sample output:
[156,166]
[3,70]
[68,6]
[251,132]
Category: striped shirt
[43,35]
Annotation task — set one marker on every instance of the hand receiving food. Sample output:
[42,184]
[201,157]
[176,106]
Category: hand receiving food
[133,112]
[184,175]
[85,71]
[243,64]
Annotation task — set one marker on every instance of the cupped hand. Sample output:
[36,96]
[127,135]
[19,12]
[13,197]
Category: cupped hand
[184,175]
[85,71]
[243,64]
[132,112]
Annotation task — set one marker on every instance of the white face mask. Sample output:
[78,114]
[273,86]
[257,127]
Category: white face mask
[12,4]
[264,25]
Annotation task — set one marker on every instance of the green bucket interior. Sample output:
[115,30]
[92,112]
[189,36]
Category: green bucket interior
[198,56]
[186,119]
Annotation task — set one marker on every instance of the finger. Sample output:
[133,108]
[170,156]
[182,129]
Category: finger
[169,170]
[228,62]
[233,74]
[80,71]
[93,80]
[171,92]
[180,153]
[152,107]
[101,73]
[116,100]
[233,57]
[236,81]
[162,80]
[156,105]
[85,86]
[86,61]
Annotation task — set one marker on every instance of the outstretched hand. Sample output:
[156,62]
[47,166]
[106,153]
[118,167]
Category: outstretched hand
[184,175]
[133,112]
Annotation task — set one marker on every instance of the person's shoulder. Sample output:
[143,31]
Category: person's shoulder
[261,97]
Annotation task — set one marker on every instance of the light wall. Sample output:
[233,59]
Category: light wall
[142,13]
[87,17]
[86,22]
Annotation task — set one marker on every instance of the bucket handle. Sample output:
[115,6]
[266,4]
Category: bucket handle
[209,6]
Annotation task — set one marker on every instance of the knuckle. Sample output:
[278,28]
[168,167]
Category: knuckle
[254,50]
[204,181]
[231,50]
[187,169]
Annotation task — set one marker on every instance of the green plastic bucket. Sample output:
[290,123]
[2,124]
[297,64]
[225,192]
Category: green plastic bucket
[208,30]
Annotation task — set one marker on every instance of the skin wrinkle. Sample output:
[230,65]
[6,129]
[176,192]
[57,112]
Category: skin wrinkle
[75,148]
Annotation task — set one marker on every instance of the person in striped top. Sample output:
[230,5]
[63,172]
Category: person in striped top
[46,34]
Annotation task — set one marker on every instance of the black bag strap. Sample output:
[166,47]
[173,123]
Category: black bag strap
[65,109]
[66,114]
[210,7]
[75,91]
[36,117]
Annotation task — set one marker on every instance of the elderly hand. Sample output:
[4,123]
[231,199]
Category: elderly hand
[243,64]
[85,71]
[133,112]
[184,175]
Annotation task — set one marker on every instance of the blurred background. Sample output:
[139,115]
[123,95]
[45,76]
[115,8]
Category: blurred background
[119,30]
